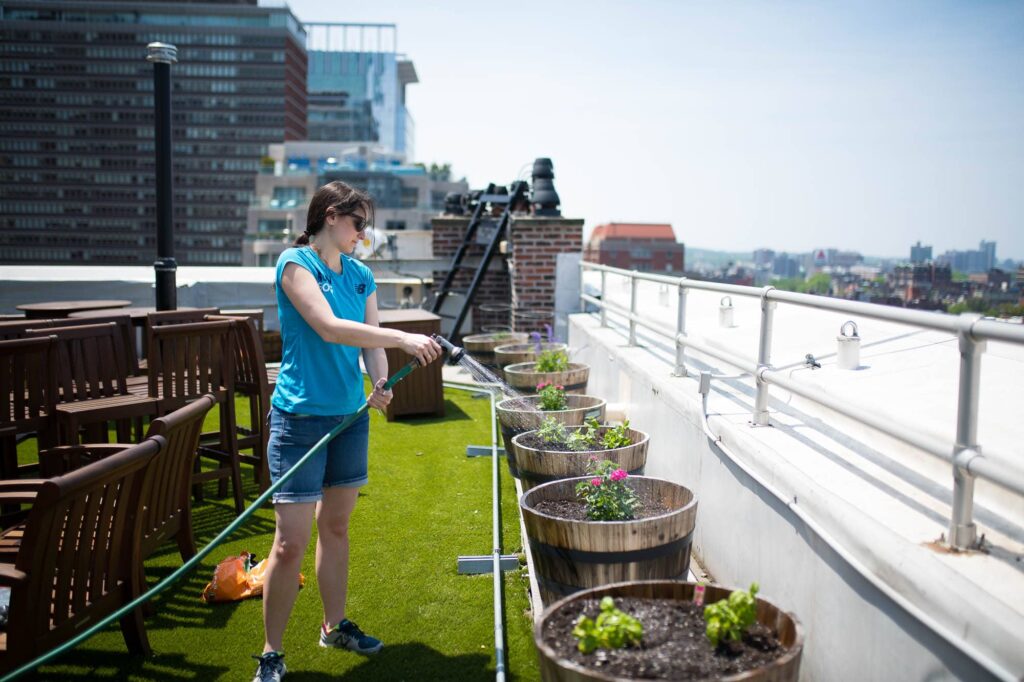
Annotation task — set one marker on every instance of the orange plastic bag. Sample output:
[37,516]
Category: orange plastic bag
[236,578]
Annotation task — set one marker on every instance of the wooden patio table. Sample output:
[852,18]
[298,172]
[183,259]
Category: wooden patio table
[50,309]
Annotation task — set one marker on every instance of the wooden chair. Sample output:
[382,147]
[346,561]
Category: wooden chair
[92,383]
[18,329]
[28,398]
[167,501]
[161,317]
[187,361]
[251,382]
[124,328]
[78,554]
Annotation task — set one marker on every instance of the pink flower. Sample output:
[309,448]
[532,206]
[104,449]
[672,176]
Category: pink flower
[560,387]
[618,475]
[596,482]
[542,384]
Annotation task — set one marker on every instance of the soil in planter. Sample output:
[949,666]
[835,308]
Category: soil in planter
[576,510]
[674,646]
[537,443]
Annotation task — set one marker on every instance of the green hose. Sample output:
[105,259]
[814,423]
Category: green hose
[231,528]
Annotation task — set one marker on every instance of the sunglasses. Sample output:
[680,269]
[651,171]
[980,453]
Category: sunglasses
[358,221]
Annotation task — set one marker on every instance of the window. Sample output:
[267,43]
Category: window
[395,225]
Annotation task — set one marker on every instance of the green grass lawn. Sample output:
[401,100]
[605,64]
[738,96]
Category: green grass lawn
[426,504]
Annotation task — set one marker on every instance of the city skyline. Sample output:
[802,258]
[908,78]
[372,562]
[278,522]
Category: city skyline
[795,125]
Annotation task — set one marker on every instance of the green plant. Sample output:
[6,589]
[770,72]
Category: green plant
[552,361]
[552,396]
[552,431]
[617,436]
[730,617]
[606,495]
[612,629]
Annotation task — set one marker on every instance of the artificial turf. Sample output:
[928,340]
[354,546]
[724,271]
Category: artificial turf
[426,504]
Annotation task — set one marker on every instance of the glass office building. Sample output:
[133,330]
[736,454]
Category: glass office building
[76,125]
[357,82]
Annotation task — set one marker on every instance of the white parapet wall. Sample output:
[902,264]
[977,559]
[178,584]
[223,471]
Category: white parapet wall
[833,522]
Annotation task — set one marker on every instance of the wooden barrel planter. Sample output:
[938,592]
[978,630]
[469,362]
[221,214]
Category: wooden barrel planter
[512,353]
[786,668]
[481,346]
[519,415]
[569,555]
[534,466]
[523,377]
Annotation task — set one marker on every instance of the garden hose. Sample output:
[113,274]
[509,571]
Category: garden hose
[454,354]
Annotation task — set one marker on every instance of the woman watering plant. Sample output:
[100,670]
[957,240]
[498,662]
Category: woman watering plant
[327,306]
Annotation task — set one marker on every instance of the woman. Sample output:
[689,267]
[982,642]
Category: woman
[327,306]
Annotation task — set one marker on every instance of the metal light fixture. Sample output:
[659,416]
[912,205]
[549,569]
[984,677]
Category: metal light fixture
[543,195]
[162,56]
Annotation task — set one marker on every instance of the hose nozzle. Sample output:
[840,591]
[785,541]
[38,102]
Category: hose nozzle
[453,352]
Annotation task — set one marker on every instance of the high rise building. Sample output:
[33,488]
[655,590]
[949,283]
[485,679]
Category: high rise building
[76,124]
[357,84]
[919,253]
[981,260]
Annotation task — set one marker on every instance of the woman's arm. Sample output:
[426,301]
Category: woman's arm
[302,290]
[376,360]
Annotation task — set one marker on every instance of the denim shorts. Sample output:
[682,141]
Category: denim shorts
[343,463]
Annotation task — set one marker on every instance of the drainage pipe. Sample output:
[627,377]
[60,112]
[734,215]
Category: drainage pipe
[499,630]
[853,561]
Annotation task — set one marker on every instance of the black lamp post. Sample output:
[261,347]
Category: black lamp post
[162,56]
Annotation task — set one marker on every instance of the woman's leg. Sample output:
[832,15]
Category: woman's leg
[281,582]
[332,516]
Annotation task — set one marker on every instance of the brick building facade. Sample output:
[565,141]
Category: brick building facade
[647,247]
[523,279]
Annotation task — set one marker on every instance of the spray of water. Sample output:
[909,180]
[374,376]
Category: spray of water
[481,374]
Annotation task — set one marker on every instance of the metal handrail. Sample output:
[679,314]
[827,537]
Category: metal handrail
[972,333]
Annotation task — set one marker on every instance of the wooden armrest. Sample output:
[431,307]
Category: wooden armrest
[66,458]
[10,576]
[19,497]
[22,485]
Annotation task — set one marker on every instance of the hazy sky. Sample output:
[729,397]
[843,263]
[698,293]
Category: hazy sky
[790,125]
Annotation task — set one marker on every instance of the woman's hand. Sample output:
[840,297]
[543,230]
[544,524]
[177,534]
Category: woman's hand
[421,347]
[380,398]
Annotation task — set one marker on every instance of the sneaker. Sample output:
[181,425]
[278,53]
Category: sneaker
[271,668]
[347,635]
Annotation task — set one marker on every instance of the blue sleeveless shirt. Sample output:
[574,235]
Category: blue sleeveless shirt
[318,377]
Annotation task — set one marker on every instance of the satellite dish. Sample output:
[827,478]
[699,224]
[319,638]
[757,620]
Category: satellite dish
[367,246]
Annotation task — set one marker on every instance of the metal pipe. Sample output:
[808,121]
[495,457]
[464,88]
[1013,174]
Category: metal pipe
[604,297]
[851,559]
[499,618]
[680,370]
[162,56]
[963,532]
[764,357]
[983,329]
[633,282]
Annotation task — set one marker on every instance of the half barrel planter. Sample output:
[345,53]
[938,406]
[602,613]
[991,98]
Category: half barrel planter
[481,346]
[570,555]
[510,354]
[535,466]
[786,668]
[519,415]
[524,377]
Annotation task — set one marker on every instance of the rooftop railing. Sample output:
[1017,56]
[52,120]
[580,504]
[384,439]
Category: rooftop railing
[971,331]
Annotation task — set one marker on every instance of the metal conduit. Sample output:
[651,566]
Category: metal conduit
[910,607]
[499,620]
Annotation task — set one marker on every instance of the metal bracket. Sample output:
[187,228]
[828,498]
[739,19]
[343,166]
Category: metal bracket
[482,451]
[479,564]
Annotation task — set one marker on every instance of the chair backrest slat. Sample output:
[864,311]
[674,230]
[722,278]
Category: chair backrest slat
[88,365]
[192,360]
[28,391]
[169,477]
[80,548]
[130,359]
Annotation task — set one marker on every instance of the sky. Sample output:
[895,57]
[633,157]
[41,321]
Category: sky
[787,125]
